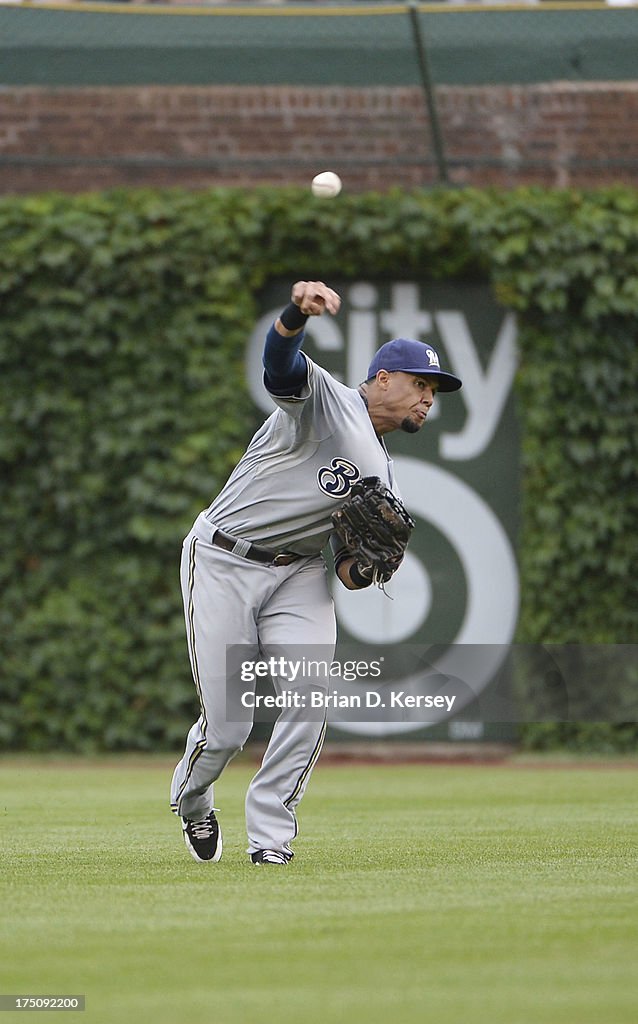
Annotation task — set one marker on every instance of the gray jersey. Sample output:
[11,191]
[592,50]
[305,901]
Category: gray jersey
[299,468]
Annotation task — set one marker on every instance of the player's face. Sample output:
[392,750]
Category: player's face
[409,398]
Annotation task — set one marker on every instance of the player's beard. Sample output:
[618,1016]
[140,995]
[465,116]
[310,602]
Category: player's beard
[409,426]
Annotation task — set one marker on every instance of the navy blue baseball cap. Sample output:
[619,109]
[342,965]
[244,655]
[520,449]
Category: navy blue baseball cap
[408,356]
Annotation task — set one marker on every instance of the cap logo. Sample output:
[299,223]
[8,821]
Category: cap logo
[432,356]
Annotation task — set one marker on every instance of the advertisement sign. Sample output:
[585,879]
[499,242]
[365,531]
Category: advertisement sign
[457,589]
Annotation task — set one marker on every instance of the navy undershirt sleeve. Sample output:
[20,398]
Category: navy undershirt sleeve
[286,370]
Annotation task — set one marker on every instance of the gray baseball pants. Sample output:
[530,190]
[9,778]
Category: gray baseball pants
[270,610]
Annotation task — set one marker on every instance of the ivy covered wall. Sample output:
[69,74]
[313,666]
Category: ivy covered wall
[124,322]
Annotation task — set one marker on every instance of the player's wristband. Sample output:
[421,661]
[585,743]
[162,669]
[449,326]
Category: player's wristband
[292,318]
[360,581]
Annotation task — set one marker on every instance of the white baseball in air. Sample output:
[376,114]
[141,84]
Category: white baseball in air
[327,185]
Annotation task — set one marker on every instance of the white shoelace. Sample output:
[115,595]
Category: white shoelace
[203,829]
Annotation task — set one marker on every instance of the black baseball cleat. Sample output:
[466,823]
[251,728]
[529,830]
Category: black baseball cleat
[270,857]
[203,838]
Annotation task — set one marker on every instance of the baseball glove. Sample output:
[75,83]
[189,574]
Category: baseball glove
[375,527]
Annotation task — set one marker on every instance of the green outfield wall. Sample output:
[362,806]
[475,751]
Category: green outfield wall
[314,44]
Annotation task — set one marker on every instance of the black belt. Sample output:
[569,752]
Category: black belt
[251,551]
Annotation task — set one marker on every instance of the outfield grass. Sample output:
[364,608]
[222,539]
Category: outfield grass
[418,893]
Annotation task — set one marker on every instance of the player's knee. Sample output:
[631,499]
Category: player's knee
[232,742]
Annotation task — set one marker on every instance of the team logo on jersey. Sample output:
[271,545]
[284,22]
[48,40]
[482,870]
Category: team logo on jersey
[337,478]
[432,356]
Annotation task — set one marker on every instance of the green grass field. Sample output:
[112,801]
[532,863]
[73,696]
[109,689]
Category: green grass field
[418,893]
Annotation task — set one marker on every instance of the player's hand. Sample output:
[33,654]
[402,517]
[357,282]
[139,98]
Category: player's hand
[314,297]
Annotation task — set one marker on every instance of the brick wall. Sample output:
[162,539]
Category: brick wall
[77,139]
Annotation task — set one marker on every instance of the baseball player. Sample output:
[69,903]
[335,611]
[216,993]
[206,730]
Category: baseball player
[252,570]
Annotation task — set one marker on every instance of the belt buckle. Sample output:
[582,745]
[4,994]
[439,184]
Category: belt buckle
[281,559]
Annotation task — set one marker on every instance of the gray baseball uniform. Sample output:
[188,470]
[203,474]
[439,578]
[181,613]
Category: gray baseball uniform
[297,469]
